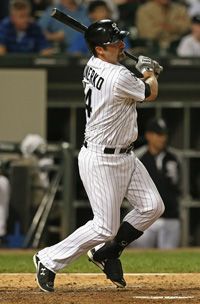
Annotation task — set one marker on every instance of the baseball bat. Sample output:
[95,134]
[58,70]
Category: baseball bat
[68,20]
[76,25]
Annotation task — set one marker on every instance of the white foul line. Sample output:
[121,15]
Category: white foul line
[163,297]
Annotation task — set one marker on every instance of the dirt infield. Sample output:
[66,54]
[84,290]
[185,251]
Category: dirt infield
[95,289]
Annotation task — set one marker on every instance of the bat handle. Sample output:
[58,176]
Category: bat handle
[131,56]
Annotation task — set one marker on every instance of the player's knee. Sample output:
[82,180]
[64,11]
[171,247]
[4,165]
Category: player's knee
[154,211]
[162,207]
[158,209]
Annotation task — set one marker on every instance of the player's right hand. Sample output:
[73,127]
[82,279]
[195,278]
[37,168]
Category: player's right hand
[145,64]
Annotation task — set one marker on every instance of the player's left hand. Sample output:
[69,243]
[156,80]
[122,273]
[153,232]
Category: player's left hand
[144,64]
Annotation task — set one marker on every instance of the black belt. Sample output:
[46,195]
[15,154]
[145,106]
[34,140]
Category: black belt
[112,150]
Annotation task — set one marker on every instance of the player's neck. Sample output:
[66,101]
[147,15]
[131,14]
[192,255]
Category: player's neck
[106,59]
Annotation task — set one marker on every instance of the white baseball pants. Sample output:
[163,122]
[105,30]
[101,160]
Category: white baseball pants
[108,179]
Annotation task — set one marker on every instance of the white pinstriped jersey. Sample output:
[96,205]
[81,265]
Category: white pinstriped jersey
[111,93]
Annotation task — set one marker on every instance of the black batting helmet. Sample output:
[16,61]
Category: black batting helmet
[103,32]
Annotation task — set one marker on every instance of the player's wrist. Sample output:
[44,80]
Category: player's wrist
[148,73]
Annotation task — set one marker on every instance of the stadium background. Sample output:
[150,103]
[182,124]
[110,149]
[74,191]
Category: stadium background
[44,96]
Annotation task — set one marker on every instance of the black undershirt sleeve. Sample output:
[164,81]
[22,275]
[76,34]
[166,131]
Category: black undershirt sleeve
[147,90]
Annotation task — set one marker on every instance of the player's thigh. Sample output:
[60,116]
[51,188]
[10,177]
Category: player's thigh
[142,192]
[104,186]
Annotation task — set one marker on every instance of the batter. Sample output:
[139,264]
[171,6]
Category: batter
[108,167]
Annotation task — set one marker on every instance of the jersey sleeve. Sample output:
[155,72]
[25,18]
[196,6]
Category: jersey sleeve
[128,85]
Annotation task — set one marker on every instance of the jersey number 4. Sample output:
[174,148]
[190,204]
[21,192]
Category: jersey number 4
[88,100]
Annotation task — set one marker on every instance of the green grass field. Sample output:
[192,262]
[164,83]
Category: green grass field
[134,261]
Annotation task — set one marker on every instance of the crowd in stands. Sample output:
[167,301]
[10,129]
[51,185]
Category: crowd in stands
[163,27]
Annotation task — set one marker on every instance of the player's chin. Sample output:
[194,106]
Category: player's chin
[121,55]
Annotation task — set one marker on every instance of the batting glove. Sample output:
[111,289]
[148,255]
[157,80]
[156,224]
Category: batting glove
[144,64]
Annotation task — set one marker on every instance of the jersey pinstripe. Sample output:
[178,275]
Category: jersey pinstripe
[112,120]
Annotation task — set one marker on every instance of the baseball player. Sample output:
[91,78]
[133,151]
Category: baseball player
[108,167]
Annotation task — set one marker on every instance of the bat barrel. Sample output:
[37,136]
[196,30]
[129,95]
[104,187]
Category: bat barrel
[54,12]
[68,20]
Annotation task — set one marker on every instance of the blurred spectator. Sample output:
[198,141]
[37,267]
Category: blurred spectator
[38,6]
[97,10]
[4,9]
[164,168]
[193,7]
[4,203]
[19,34]
[114,12]
[32,143]
[127,10]
[57,32]
[162,21]
[33,148]
[190,45]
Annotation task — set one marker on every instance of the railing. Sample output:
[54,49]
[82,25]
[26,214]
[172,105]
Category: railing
[62,181]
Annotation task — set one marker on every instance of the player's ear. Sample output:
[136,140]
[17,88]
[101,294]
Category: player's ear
[99,50]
